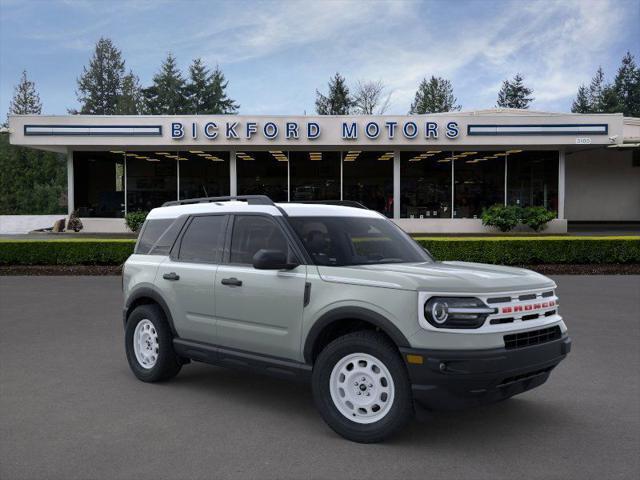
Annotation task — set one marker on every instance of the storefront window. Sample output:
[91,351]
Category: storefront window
[425,184]
[151,179]
[315,176]
[262,173]
[368,178]
[99,184]
[203,174]
[532,178]
[478,182]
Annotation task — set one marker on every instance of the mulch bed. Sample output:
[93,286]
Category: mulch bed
[549,269]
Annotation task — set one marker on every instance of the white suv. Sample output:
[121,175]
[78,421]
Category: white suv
[338,295]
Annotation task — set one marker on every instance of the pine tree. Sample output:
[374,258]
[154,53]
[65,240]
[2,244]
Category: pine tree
[206,92]
[167,95]
[338,101]
[433,96]
[596,91]
[627,86]
[130,101]
[514,94]
[99,86]
[581,104]
[25,99]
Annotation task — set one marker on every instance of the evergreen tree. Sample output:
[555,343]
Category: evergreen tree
[206,92]
[581,104]
[433,96]
[627,86]
[338,101]
[25,99]
[596,91]
[167,95]
[100,85]
[130,101]
[514,94]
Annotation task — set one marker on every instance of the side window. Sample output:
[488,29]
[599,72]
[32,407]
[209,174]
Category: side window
[203,240]
[252,233]
[151,232]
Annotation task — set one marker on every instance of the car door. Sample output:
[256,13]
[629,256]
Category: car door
[187,277]
[259,310]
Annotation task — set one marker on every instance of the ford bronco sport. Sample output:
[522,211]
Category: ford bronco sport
[340,296]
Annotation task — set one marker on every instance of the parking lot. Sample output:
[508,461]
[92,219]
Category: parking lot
[71,409]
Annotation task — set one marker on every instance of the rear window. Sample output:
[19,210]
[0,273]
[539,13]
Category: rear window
[151,232]
[203,240]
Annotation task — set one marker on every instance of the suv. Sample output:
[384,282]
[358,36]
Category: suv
[339,296]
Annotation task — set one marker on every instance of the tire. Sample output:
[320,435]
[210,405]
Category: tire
[369,363]
[153,359]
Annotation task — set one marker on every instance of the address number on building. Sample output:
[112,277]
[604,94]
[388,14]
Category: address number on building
[583,141]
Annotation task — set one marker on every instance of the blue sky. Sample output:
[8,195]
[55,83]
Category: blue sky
[276,53]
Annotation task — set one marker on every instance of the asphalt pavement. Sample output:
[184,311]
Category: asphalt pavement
[71,409]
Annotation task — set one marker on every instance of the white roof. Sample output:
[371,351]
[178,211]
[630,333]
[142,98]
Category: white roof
[291,209]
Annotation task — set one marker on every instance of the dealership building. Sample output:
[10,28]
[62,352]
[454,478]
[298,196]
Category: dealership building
[429,173]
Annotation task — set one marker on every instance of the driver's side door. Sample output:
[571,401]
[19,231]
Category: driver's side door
[259,310]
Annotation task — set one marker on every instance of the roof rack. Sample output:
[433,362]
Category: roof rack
[250,199]
[342,203]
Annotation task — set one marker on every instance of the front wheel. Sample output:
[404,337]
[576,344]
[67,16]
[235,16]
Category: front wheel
[361,387]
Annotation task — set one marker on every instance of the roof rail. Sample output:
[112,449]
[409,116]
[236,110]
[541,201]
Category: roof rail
[250,199]
[342,203]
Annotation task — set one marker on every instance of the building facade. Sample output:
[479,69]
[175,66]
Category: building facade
[429,173]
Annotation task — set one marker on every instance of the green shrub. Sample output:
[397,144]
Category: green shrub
[503,217]
[535,250]
[498,250]
[134,220]
[65,252]
[537,217]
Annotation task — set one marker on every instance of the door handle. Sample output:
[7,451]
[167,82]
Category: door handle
[232,282]
[171,276]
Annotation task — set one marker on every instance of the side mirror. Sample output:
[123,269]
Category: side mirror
[272,260]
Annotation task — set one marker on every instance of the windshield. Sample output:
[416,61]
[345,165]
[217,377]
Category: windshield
[344,241]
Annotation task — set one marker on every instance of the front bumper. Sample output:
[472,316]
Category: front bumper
[452,379]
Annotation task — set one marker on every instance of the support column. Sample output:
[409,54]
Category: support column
[70,183]
[396,184]
[233,174]
[561,177]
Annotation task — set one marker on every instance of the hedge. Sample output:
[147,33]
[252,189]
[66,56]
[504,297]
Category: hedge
[535,250]
[499,250]
[65,252]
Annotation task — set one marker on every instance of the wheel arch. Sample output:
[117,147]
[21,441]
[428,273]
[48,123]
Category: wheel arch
[346,319]
[148,296]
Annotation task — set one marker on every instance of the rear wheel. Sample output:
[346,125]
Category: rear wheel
[361,387]
[149,345]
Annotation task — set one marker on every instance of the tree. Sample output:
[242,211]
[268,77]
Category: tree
[100,85]
[206,92]
[627,86]
[338,101]
[581,104]
[130,101]
[514,94]
[370,98]
[596,91]
[433,96]
[25,99]
[167,95]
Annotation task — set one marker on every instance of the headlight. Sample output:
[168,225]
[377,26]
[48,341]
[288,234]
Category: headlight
[456,312]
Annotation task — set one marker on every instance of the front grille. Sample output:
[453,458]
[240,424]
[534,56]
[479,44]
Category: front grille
[534,337]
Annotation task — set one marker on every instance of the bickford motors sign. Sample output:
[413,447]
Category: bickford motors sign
[295,130]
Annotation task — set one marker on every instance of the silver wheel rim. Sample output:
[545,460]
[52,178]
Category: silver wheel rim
[145,344]
[362,388]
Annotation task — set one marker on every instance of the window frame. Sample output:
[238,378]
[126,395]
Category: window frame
[279,222]
[177,245]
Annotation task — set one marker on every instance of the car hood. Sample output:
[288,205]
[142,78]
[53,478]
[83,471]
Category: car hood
[455,277]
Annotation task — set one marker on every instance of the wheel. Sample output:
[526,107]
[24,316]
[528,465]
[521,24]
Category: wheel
[361,388]
[149,346]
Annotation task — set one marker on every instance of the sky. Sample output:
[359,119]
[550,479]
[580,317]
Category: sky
[275,54]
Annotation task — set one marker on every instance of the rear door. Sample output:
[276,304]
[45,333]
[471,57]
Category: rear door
[259,310]
[187,277]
